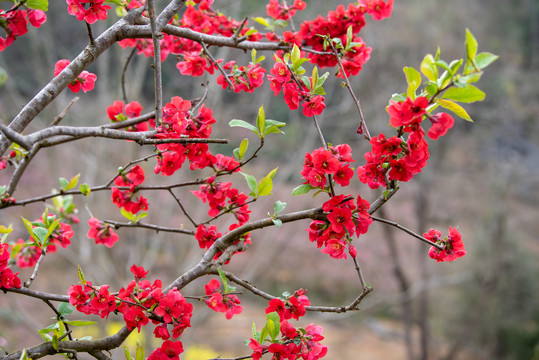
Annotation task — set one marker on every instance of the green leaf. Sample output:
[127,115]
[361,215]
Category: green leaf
[314,76]
[243,147]
[273,126]
[277,222]
[81,275]
[63,183]
[28,226]
[254,332]
[5,230]
[261,120]
[431,89]
[3,189]
[80,322]
[243,124]
[296,66]
[253,56]
[24,355]
[65,309]
[251,181]
[413,78]
[262,21]
[115,2]
[278,207]
[265,185]
[296,54]
[273,324]
[38,4]
[141,216]
[129,216]
[55,342]
[85,189]
[139,353]
[467,94]
[72,182]
[302,189]
[52,227]
[471,46]
[127,353]
[484,59]
[455,108]
[428,68]
[349,36]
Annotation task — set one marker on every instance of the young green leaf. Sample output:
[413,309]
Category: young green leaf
[81,275]
[127,353]
[296,54]
[243,124]
[261,120]
[129,216]
[265,185]
[302,189]
[262,21]
[428,68]
[277,222]
[80,322]
[28,226]
[72,182]
[278,207]
[484,59]
[65,309]
[471,46]
[251,181]
[139,352]
[467,94]
[85,189]
[413,78]
[38,4]
[455,108]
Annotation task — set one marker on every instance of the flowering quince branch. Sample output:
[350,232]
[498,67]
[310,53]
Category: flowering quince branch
[181,135]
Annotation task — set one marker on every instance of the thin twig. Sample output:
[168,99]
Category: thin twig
[216,63]
[124,72]
[90,35]
[408,231]
[64,112]
[178,201]
[17,174]
[36,268]
[362,124]
[157,228]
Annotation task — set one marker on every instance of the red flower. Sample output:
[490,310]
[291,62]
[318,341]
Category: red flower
[169,350]
[315,106]
[440,124]
[102,233]
[453,245]
[408,112]
[85,81]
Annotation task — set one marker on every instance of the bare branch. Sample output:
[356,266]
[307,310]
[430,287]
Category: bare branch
[408,231]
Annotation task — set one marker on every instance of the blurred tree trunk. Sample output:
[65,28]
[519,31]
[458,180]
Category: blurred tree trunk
[404,285]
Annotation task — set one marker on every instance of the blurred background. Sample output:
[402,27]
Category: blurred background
[482,177]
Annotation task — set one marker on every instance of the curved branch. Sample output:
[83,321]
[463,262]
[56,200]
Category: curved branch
[88,346]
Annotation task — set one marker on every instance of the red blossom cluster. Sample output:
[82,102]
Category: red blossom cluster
[200,19]
[139,303]
[85,81]
[225,303]
[8,279]
[15,23]
[344,219]
[396,158]
[452,243]
[220,196]
[177,122]
[116,112]
[101,233]
[129,198]
[333,161]
[295,343]
[281,78]
[243,78]
[334,25]
[284,12]
[88,10]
